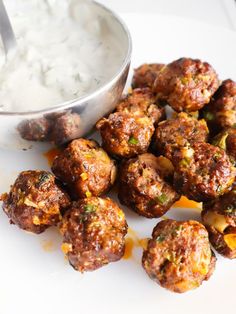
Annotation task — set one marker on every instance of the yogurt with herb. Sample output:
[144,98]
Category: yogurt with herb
[65,50]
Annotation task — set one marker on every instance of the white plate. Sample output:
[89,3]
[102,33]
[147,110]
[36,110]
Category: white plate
[34,276]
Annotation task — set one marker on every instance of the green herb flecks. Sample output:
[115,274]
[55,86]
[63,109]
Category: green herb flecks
[220,141]
[219,189]
[160,238]
[209,116]
[162,199]
[177,230]
[133,140]
[230,209]
[217,156]
[43,177]
[184,162]
[89,208]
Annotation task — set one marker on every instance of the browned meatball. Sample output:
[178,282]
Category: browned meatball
[178,132]
[221,111]
[202,172]
[65,128]
[219,216]
[35,129]
[186,84]
[227,141]
[35,202]
[145,75]
[85,168]
[178,256]
[143,188]
[93,233]
[125,135]
[142,101]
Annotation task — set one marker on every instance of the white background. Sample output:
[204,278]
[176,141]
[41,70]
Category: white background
[217,12]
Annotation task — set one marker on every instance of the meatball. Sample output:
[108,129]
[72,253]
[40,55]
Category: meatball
[221,111]
[93,232]
[219,216]
[143,188]
[125,135]
[227,141]
[202,172]
[178,256]
[178,132]
[85,168]
[35,202]
[65,128]
[146,74]
[186,84]
[142,101]
[35,129]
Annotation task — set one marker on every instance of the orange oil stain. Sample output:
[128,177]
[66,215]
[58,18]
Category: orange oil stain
[48,246]
[129,246]
[132,242]
[51,155]
[184,202]
[143,243]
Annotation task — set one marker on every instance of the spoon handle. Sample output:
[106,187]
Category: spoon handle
[6,31]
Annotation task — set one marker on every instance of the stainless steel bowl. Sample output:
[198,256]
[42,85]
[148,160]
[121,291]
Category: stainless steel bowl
[78,114]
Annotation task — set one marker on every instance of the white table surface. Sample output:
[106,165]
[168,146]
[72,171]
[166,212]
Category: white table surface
[216,12]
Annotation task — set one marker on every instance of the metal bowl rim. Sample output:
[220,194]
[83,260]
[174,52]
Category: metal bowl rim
[101,89]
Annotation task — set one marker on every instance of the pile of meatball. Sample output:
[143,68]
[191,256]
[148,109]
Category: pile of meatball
[154,160]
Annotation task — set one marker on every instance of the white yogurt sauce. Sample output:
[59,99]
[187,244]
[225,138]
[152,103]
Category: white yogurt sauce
[65,50]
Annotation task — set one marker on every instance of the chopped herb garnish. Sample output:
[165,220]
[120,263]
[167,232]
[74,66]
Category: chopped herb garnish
[89,208]
[43,177]
[219,188]
[162,199]
[160,238]
[220,140]
[133,140]
[216,156]
[184,162]
[209,116]
[177,230]
[230,209]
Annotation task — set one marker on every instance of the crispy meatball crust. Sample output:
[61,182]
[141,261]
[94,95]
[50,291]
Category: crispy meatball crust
[227,141]
[125,135]
[221,111]
[35,202]
[143,188]
[85,168]
[142,101]
[93,232]
[65,128]
[146,74]
[178,256]
[170,135]
[219,217]
[186,84]
[202,172]
[35,129]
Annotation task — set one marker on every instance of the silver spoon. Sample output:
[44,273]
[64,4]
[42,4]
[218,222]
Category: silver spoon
[6,30]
